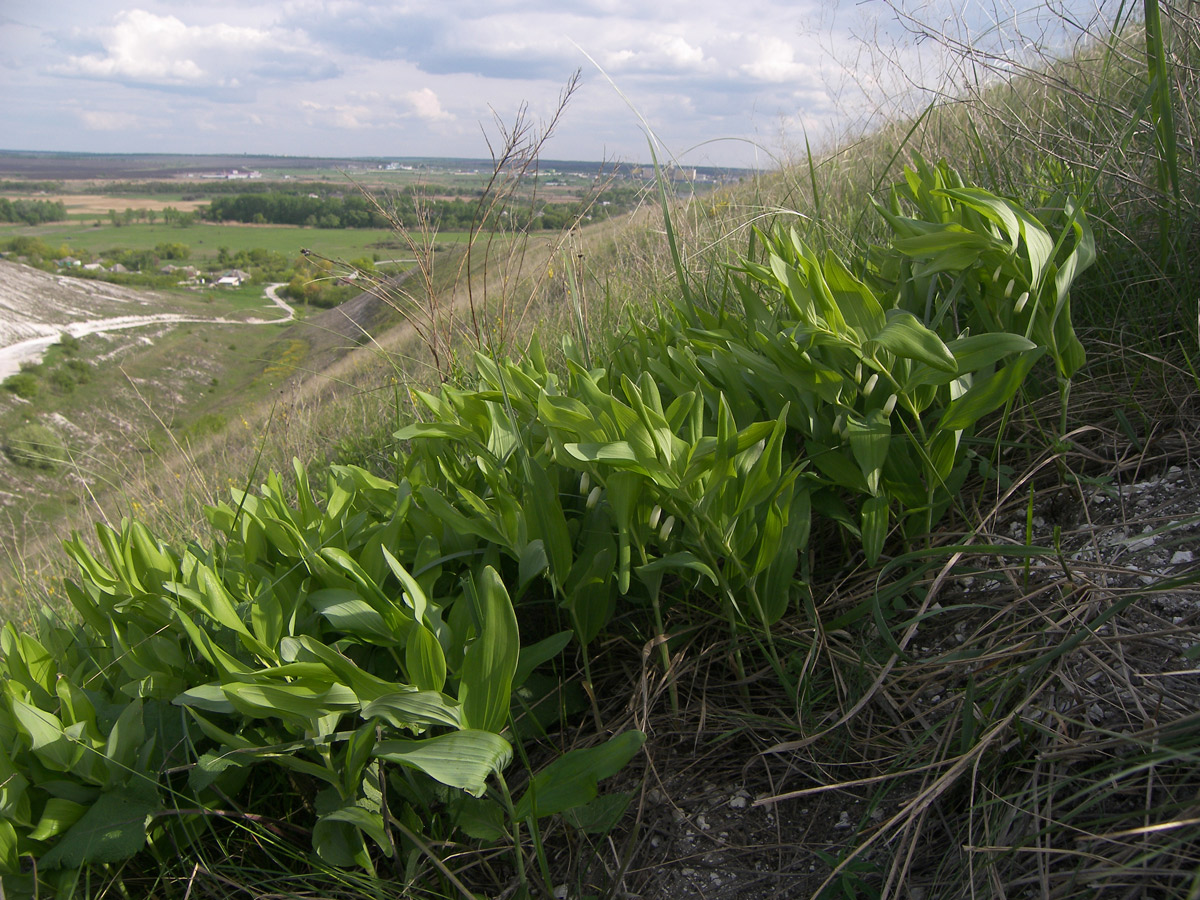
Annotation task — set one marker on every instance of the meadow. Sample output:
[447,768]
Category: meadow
[205,240]
[722,551]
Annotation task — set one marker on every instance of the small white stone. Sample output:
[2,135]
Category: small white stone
[738,802]
[560,892]
[1181,556]
[844,820]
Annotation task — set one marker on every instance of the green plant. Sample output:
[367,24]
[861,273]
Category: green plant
[36,446]
[300,645]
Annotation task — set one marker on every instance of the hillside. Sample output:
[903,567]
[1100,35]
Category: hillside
[834,535]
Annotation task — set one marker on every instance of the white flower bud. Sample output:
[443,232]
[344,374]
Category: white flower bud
[1012,283]
[890,405]
[594,497]
[1021,301]
[871,382]
[666,529]
[584,481]
[655,515]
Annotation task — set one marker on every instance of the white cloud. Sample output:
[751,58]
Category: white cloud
[425,105]
[97,120]
[775,62]
[162,51]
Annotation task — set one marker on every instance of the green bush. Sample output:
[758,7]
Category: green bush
[36,447]
[24,384]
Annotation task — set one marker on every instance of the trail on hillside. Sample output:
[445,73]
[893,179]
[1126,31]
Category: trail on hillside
[38,308]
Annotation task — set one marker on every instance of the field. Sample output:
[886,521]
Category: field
[205,240]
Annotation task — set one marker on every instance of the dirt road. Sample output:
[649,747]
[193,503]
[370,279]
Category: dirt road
[37,308]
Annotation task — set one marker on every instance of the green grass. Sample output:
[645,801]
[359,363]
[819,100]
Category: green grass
[206,239]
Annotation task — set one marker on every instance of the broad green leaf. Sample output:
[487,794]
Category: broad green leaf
[485,686]
[10,861]
[571,780]
[296,701]
[479,817]
[368,822]
[869,440]
[424,659]
[988,393]
[906,337]
[48,740]
[874,526]
[57,816]
[534,655]
[601,815]
[682,560]
[545,515]
[112,830]
[414,709]
[349,612]
[461,759]
[126,738]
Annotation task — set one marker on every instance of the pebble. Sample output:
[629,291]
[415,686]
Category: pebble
[1181,556]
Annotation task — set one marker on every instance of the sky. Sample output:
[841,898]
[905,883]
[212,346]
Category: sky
[716,82]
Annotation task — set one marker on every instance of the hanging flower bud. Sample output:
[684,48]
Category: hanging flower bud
[666,529]
[871,382]
[594,497]
[1012,283]
[655,515]
[584,481]
[1021,301]
[890,405]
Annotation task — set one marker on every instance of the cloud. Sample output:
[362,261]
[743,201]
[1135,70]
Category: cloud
[375,111]
[149,50]
[97,120]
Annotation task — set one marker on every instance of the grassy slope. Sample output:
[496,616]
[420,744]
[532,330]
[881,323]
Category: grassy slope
[1140,340]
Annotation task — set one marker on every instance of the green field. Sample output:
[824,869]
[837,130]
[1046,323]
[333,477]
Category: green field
[205,239]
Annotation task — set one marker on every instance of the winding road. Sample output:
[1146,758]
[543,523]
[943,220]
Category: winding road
[31,349]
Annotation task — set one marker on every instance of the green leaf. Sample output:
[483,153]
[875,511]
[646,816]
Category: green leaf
[874,526]
[48,740]
[869,440]
[479,818]
[485,687]
[461,759]
[296,701]
[601,815]
[414,709]
[988,393]
[57,816]
[571,780]
[349,612]
[112,830]
[425,660]
[906,337]
[534,655]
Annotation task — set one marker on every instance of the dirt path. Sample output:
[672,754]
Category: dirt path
[37,308]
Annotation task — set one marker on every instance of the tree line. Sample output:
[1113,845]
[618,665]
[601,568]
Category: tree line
[32,212]
[277,208]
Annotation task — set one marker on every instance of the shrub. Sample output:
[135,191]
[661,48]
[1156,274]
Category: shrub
[36,447]
[24,384]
